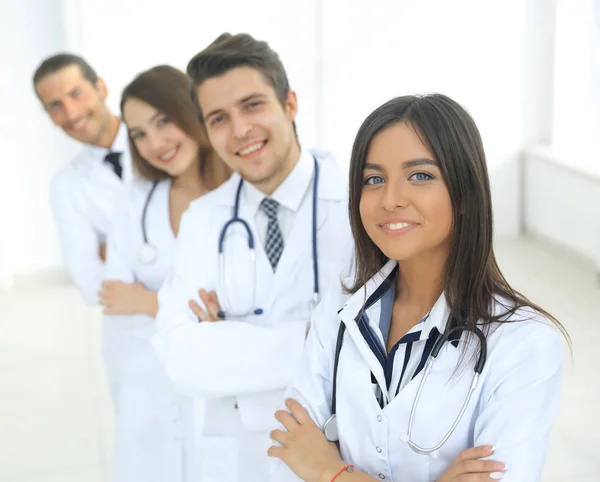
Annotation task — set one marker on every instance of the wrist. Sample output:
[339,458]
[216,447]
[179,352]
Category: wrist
[148,301]
[332,470]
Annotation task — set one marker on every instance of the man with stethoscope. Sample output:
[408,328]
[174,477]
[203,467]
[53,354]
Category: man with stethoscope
[253,255]
[84,192]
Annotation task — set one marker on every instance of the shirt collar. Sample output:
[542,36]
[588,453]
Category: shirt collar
[290,192]
[120,144]
[378,287]
[436,318]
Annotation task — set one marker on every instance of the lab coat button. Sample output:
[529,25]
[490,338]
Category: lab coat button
[382,477]
[379,450]
[379,418]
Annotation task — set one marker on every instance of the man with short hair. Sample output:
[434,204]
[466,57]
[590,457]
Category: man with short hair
[84,192]
[231,334]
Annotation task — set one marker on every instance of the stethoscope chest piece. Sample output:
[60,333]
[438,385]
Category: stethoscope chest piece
[147,254]
[330,429]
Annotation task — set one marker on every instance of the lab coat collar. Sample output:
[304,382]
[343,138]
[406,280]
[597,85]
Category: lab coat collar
[331,185]
[370,293]
[364,308]
[366,300]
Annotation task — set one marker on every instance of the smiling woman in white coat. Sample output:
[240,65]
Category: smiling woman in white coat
[176,165]
[428,362]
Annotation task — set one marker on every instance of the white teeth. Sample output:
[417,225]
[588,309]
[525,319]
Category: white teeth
[251,149]
[168,155]
[396,226]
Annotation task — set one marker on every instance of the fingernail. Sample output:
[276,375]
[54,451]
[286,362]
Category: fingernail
[496,475]
[506,467]
[493,448]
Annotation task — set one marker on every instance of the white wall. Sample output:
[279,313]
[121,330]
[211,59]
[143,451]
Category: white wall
[147,33]
[562,172]
[473,51]
[32,149]
[577,81]
[344,57]
[562,203]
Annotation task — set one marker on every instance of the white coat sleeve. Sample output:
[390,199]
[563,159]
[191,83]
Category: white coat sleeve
[312,382]
[520,401]
[218,359]
[78,238]
[120,254]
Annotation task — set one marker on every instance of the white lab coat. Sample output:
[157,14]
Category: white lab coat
[238,369]
[513,407]
[153,422]
[82,197]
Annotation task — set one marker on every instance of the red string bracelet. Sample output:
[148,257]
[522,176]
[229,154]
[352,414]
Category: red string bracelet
[347,468]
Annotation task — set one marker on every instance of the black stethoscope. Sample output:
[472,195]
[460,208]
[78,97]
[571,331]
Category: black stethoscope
[330,428]
[236,219]
[148,252]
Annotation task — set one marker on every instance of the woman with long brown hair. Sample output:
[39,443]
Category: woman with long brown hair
[429,362]
[176,165]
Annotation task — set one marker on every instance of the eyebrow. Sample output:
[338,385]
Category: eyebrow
[243,100]
[154,116]
[133,129]
[405,165]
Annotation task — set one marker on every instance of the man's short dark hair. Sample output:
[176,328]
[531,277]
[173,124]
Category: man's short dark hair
[228,52]
[60,61]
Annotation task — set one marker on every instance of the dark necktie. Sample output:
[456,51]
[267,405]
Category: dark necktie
[274,241]
[114,159]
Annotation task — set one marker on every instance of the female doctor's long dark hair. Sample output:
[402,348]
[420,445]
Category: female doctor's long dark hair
[472,278]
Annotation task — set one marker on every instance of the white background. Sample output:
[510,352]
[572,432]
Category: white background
[511,63]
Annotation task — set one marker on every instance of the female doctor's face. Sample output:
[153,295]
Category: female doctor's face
[405,206]
[158,139]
